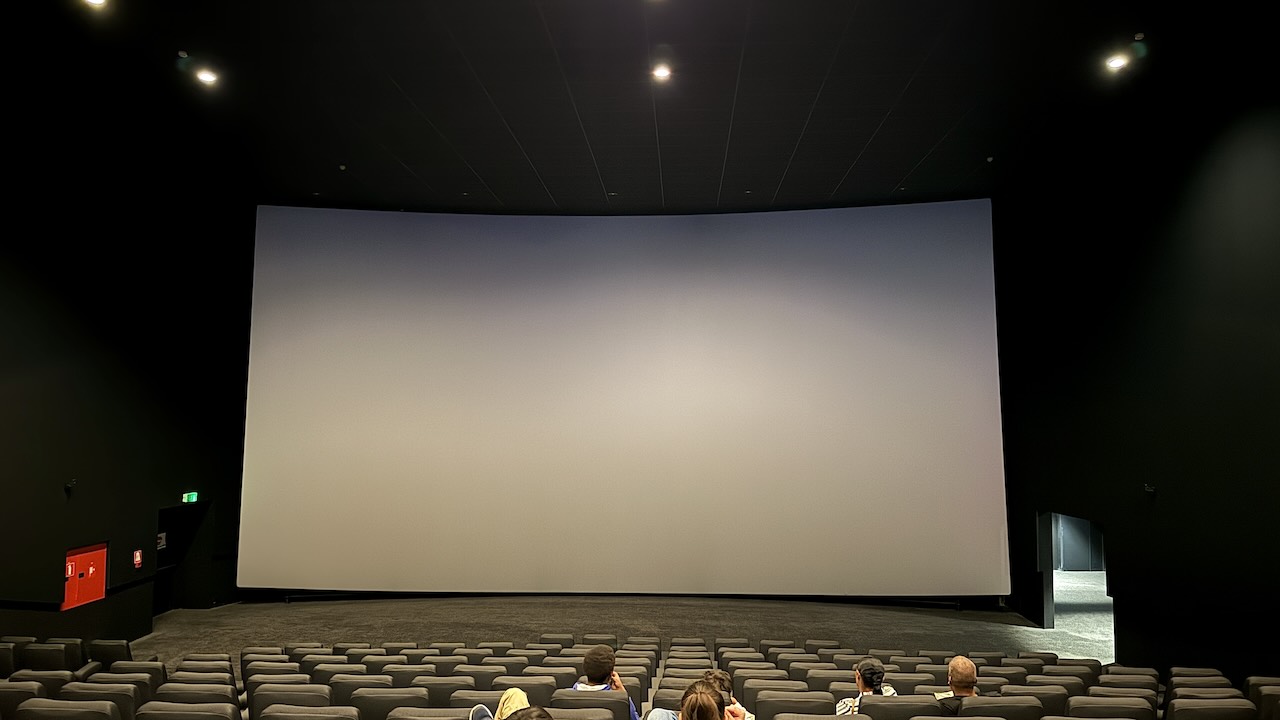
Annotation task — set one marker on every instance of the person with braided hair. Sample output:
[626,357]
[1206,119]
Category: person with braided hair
[869,676]
[702,700]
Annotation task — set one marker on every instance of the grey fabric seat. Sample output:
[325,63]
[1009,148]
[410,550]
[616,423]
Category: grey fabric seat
[109,651]
[551,649]
[1015,675]
[287,694]
[13,694]
[403,675]
[564,640]
[538,688]
[742,676]
[601,639]
[45,656]
[1009,707]
[580,713]
[159,674]
[473,655]
[374,664]
[1084,672]
[202,678]
[820,679]
[145,682]
[752,688]
[510,664]
[908,663]
[445,664]
[1033,666]
[533,655]
[415,713]
[1234,709]
[255,681]
[905,682]
[420,656]
[1210,693]
[1132,680]
[322,673]
[1053,698]
[304,712]
[1144,693]
[886,656]
[800,670]
[377,703]
[616,701]
[124,695]
[898,707]
[687,642]
[1093,706]
[1074,685]
[308,663]
[812,646]
[500,648]
[50,709]
[471,698]
[938,671]
[52,680]
[178,692]
[205,666]
[676,683]
[482,674]
[848,662]
[439,689]
[398,647]
[773,702]
[565,677]
[342,687]
[159,710]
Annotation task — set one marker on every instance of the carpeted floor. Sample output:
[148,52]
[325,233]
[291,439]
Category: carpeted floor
[1083,628]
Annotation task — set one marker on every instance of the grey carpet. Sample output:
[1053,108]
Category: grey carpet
[521,619]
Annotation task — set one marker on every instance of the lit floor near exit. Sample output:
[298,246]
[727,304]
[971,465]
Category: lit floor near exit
[1082,607]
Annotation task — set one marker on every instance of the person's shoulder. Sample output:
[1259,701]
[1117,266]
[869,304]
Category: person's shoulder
[887,689]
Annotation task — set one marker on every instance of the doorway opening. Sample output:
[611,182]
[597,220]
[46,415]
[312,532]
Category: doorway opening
[1081,603]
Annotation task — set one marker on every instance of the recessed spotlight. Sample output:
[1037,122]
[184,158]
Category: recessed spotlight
[96,4]
[1117,62]
[613,194]
[661,72]
[206,76]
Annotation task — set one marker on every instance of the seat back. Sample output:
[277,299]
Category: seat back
[159,675]
[109,651]
[820,680]
[1103,691]
[616,701]
[565,677]
[403,675]
[1009,707]
[304,712]
[773,702]
[1094,706]
[482,674]
[49,709]
[44,656]
[904,683]
[1132,680]
[1197,709]
[471,698]
[742,676]
[124,695]
[377,703]
[752,688]
[342,686]
[200,693]
[13,694]
[1053,698]
[287,694]
[898,707]
[440,689]
[160,710]
[538,688]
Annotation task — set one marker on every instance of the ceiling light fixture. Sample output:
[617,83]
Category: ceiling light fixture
[95,4]
[206,76]
[661,72]
[1117,62]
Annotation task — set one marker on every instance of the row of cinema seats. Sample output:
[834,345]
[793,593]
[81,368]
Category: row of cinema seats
[774,679]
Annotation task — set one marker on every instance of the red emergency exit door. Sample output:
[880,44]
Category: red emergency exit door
[86,575]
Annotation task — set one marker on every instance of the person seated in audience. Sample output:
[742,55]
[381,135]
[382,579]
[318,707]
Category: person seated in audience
[512,702]
[718,679]
[597,666]
[962,681]
[702,700]
[869,676]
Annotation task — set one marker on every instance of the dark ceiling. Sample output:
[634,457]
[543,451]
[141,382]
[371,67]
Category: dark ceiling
[549,106]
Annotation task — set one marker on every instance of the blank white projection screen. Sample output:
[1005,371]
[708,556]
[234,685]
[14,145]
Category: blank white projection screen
[782,403]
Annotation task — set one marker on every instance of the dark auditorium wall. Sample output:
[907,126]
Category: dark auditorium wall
[1139,327]
[124,306]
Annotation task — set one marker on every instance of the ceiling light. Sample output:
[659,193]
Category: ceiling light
[1117,62]
[95,4]
[206,76]
[661,72]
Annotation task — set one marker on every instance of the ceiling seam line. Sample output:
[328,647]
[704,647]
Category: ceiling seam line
[812,107]
[653,105]
[902,183]
[418,111]
[901,94]
[746,30]
[573,102]
[502,117]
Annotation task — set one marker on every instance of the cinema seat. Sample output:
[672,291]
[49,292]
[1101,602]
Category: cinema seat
[565,677]
[564,640]
[205,666]
[14,693]
[440,689]
[48,709]
[157,710]
[124,695]
[886,656]
[111,651]
[1235,709]
[773,702]
[415,713]
[482,674]
[471,698]
[377,703]
[342,687]
[1103,691]
[403,675]
[1010,707]
[534,656]
[197,693]
[271,694]
[1033,666]
[538,688]
[420,656]
[615,701]
[398,647]
[1015,675]
[1133,680]
[898,707]
[740,677]
[601,639]
[819,680]
[904,683]
[1092,706]
[1053,698]
[304,712]
[511,665]
[52,680]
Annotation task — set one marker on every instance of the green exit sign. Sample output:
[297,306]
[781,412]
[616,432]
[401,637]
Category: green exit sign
[190,497]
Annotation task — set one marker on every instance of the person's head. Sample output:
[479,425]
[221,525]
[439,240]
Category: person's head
[702,700]
[869,674]
[720,679]
[533,712]
[962,675]
[597,665]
